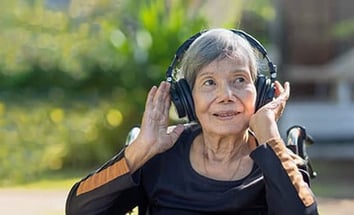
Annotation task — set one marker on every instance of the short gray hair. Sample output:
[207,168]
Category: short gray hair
[216,44]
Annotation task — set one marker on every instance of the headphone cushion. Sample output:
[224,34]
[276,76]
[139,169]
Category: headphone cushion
[175,99]
[186,99]
[265,91]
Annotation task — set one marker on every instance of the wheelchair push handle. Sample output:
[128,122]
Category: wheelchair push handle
[297,141]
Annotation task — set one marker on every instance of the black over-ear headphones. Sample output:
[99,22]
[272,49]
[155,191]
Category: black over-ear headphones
[181,94]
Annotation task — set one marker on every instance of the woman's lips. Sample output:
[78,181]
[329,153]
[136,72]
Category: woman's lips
[225,114]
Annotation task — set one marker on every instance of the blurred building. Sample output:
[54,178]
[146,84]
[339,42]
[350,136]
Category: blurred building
[316,44]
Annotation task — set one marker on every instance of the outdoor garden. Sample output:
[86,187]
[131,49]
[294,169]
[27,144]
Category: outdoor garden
[74,76]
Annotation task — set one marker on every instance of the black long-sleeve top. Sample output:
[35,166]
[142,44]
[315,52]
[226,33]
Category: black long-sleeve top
[167,184]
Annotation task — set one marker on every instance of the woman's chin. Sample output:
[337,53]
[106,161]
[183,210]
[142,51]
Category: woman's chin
[225,129]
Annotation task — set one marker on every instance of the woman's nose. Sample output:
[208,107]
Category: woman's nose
[225,93]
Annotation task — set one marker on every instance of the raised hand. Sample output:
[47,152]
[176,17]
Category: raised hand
[154,136]
[263,122]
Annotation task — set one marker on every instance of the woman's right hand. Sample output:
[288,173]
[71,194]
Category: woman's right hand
[155,136]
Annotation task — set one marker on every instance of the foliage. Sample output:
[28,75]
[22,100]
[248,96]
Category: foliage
[74,76]
[40,135]
[89,44]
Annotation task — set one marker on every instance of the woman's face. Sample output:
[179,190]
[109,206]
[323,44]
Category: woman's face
[224,96]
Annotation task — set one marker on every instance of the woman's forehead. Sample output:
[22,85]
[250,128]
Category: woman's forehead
[232,65]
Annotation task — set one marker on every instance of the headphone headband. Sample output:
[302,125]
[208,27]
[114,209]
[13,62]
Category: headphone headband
[253,42]
[179,53]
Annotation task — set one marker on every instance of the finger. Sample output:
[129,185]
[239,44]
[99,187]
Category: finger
[167,90]
[161,93]
[167,106]
[148,108]
[287,89]
[150,97]
[167,102]
[166,96]
[278,88]
[161,100]
[281,92]
[284,96]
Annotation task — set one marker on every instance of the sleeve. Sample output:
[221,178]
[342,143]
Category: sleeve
[286,189]
[111,189]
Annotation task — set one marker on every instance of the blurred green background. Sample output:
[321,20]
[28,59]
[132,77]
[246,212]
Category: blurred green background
[74,74]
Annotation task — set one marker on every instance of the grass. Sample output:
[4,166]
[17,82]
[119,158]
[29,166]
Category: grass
[59,180]
[335,178]
[48,184]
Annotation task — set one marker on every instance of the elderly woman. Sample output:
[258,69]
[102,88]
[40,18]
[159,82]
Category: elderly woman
[232,161]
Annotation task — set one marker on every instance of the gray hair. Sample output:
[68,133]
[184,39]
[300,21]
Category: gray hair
[216,44]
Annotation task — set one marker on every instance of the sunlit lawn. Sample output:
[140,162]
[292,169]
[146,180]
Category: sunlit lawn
[46,184]
[61,179]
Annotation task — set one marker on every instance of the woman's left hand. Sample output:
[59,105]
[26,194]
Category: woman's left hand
[282,94]
[263,122]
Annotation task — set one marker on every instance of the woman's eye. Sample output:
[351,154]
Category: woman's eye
[209,82]
[239,80]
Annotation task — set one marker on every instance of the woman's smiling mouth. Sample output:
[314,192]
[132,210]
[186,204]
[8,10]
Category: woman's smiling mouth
[226,114]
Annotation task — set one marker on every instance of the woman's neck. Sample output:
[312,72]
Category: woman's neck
[224,158]
[224,148]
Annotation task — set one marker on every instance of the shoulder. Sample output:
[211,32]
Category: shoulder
[191,130]
[184,141]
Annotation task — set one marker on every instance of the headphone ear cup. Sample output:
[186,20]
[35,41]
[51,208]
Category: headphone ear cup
[175,98]
[265,91]
[181,97]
